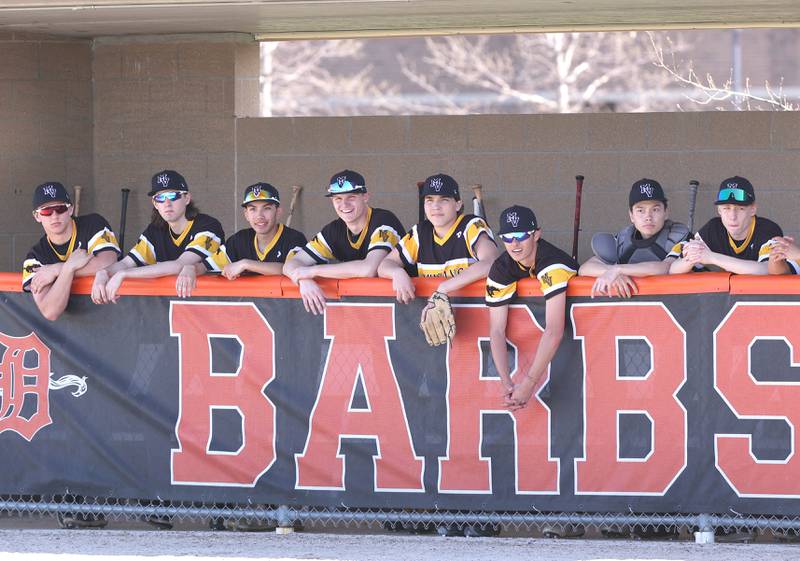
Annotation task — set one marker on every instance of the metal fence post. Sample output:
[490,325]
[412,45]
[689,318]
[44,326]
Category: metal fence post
[705,532]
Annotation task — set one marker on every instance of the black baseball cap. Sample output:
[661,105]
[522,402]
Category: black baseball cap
[441,184]
[646,190]
[735,191]
[516,219]
[346,181]
[261,192]
[167,180]
[50,192]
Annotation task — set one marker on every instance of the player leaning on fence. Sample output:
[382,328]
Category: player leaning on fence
[178,240]
[358,239]
[737,240]
[527,255]
[458,247]
[264,246]
[73,246]
[639,250]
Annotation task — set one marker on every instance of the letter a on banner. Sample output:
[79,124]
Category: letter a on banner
[748,398]
[359,353]
[602,470]
[470,396]
[202,391]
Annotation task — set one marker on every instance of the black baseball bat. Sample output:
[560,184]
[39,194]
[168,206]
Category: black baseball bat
[693,185]
[122,218]
[577,224]
[420,185]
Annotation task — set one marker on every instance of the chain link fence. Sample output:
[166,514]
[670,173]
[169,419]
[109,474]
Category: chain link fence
[79,511]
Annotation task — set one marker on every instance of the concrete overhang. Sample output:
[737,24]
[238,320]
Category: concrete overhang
[305,19]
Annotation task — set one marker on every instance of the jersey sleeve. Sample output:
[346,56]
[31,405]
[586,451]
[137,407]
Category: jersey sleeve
[408,248]
[207,242]
[771,230]
[386,235]
[295,242]
[473,231]
[101,236]
[29,268]
[231,248]
[144,253]
[319,248]
[501,285]
[553,279]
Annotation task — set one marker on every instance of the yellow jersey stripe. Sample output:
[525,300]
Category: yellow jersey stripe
[554,277]
[496,292]
[144,252]
[320,248]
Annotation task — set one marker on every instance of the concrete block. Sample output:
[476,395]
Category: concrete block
[21,245]
[783,169]
[65,61]
[215,98]
[31,170]
[117,101]
[786,130]
[19,61]
[265,136]
[213,136]
[710,168]
[664,167]
[65,136]
[6,255]
[79,99]
[558,132]
[472,169]
[497,133]
[322,135]
[39,98]
[437,134]
[601,170]
[401,172]
[739,130]
[248,97]
[677,131]
[379,134]
[248,60]
[149,61]
[532,170]
[206,60]
[107,62]
[625,131]
[6,99]
[19,137]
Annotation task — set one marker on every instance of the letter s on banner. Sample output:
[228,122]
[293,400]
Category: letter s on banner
[202,391]
[748,398]
[601,471]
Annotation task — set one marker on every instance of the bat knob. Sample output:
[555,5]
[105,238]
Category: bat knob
[579,177]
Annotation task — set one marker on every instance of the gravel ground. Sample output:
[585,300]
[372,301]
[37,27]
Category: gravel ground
[25,544]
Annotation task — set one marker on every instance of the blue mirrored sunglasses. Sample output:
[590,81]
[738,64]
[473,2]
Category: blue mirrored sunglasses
[168,196]
[345,187]
[739,195]
[519,236]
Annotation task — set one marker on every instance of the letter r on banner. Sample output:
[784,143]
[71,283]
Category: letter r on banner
[201,391]
[359,352]
[601,471]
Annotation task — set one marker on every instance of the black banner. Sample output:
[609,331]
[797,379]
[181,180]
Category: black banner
[678,403]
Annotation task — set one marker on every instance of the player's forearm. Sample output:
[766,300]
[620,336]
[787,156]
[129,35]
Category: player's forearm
[55,300]
[163,269]
[680,266]
[346,270]
[475,272]
[262,268]
[389,267]
[593,268]
[738,266]
[778,267]
[102,260]
[300,259]
[497,343]
[646,269]
[548,345]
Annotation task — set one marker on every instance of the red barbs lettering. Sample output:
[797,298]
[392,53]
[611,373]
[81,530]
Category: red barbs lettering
[470,397]
[18,381]
[359,353]
[607,395]
[202,391]
[748,398]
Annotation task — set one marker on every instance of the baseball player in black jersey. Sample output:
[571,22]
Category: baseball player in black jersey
[359,240]
[527,255]
[736,241]
[639,250]
[73,246]
[179,241]
[458,247]
[263,248]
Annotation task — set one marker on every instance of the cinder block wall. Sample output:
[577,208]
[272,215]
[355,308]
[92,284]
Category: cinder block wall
[170,103]
[45,129]
[531,160]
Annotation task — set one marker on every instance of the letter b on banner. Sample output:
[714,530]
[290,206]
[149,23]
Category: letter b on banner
[202,391]
[608,395]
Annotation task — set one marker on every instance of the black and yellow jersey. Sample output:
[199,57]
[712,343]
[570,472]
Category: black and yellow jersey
[755,246]
[90,232]
[336,243]
[424,254]
[203,236]
[243,245]
[552,267]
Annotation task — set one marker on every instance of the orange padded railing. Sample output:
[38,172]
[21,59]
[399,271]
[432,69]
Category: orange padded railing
[282,287]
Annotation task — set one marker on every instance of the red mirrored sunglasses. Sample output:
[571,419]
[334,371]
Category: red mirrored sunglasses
[49,210]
